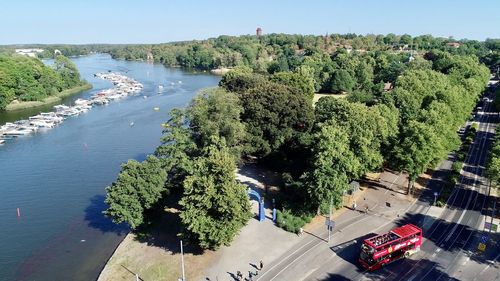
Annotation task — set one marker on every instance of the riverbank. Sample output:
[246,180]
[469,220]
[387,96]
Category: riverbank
[14,106]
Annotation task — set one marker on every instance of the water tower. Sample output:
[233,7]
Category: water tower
[258,32]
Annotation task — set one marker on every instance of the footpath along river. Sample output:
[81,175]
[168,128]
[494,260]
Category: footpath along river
[57,178]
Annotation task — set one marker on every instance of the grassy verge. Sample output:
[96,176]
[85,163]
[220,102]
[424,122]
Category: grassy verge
[454,175]
[49,100]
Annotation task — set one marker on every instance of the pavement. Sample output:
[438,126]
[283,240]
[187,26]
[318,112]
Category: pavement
[274,246]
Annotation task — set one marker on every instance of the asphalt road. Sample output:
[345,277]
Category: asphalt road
[449,251]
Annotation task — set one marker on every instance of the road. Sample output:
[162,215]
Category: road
[451,234]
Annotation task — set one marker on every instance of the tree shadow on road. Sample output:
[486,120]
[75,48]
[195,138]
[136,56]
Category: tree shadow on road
[448,236]
[335,277]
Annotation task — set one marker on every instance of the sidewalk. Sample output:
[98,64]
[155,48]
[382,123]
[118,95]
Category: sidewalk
[264,241]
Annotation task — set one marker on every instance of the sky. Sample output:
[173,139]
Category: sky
[156,21]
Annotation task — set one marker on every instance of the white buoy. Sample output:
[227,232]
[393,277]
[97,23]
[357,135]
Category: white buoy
[131,124]
[156,108]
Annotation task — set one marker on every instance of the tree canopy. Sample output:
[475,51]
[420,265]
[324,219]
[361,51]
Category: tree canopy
[28,79]
[138,188]
[215,206]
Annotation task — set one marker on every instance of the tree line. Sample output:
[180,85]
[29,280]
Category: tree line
[28,79]
[274,52]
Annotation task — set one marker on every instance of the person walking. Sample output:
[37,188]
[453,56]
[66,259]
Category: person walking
[261,265]
[239,275]
[354,205]
[301,231]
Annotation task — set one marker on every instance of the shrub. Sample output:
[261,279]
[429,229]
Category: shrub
[440,203]
[457,166]
[290,222]
[460,155]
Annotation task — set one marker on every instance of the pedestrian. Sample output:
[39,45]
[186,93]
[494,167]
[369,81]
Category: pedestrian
[354,205]
[301,231]
[366,209]
[261,265]
[239,275]
[250,275]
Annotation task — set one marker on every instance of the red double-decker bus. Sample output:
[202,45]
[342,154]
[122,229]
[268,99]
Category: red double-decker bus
[385,248]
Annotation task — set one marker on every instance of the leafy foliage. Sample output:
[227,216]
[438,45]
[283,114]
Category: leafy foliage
[138,188]
[214,205]
[28,79]
[290,222]
[215,112]
[274,114]
[176,149]
[493,165]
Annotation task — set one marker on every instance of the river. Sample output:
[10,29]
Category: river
[57,178]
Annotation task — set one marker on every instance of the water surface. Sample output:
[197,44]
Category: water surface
[57,178]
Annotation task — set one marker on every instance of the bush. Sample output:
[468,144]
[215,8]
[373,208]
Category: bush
[457,166]
[290,222]
[453,179]
[460,155]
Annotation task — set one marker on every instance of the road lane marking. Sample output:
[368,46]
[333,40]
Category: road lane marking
[455,191]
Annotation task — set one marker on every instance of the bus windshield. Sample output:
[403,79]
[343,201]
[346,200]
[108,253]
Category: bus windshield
[367,253]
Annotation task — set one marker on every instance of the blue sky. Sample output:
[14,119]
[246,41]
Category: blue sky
[154,21]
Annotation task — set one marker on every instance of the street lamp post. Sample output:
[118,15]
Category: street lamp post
[182,262]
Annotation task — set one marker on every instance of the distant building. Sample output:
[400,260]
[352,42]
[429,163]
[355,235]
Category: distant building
[57,52]
[29,52]
[387,86]
[258,32]
[453,44]
[149,57]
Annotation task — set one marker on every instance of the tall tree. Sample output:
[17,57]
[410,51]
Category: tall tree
[138,187]
[215,112]
[68,71]
[418,148]
[332,165]
[214,206]
[341,81]
[176,149]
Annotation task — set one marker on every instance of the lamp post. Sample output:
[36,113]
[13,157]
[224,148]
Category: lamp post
[182,263]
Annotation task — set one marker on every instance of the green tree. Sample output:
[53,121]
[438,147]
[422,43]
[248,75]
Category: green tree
[332,165]
[416,151]
[214,206]
[138,188]
[366,127]
[215,112]
[341,81]
[67,70]
[176,149]
[493,164]
[274,115]
[304,84]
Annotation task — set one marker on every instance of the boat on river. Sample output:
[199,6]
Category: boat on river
[123,86]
